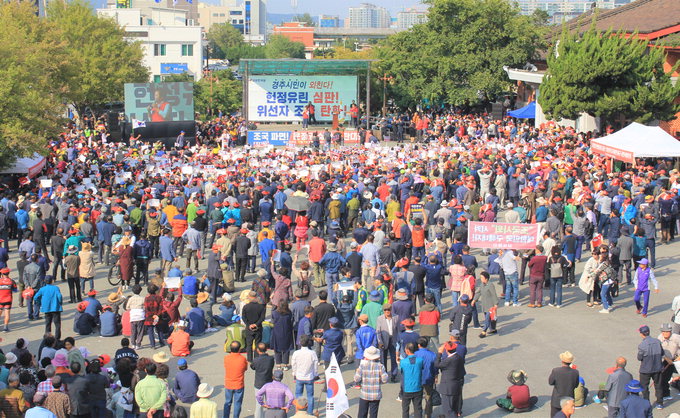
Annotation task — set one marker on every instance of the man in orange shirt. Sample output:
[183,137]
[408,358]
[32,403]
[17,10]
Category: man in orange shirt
[179,341]
[235,366]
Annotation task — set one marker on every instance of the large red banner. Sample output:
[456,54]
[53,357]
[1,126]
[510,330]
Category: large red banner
[503,235]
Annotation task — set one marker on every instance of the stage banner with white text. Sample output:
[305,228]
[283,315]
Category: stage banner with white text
[283,98]
[503,235]
[297,138]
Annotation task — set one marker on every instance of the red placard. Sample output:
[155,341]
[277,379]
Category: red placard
[503,235]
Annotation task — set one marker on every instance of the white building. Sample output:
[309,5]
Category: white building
[170,46]
[563,10]
[369,16]
[410,17]
[248,16]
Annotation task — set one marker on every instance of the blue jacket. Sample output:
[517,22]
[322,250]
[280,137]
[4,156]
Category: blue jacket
[429,371]
[93,307]
[304,328]
[366,337]
[107,324]
[190,286]
[105,232]
[635,406]
[196,318]
[49,297]
[266,245]
[333,344]
[412,373]
[142,249]
[22,219]
[167,249]
[331,262]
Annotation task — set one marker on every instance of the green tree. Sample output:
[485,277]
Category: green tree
[278,46]
[305,18]
[607,74]
[97,47]
[178,78]
[34,65]
[222,38]
[459,53]
[220,91]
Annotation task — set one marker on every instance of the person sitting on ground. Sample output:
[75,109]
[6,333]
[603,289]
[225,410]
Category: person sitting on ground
[518,397]
[109,323]
[195,319]
[180,341]
[227,311]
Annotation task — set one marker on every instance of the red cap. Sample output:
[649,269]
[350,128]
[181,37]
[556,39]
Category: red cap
[5,270]
[104,359]
[217,204]
[200,212]
[266,223]
[398,214]
[236,205]
[244,231]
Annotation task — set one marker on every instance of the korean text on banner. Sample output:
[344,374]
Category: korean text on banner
[503,235]
[283,98]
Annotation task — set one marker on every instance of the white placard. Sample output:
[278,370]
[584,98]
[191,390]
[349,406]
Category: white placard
[127,175]
[172,282]
[187,170]
[153,203]
[45,183]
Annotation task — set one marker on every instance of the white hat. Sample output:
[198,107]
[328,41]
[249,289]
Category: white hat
[444,203]
[371,353]
[226,297]
[204,390]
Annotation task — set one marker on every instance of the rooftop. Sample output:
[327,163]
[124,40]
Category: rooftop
[651,17]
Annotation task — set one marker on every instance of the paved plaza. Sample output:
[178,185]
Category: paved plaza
[528,339]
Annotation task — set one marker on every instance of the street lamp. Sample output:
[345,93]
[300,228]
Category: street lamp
[385,78]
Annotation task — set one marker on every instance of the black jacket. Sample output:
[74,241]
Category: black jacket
[241,246]
[452,372]
[322,313]
[263,366]
[564,380]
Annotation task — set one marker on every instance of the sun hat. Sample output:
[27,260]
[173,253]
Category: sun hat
[114,297]
[375,296]
[10,358]
[202,297]
[371,353]
[567,357]
[204,390]
[517,377]
[161,357]
[401,294]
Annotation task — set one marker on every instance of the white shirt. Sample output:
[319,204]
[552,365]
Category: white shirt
[507,262]
[304,364]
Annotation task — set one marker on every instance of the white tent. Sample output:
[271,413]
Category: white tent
[29,166]
[636,141]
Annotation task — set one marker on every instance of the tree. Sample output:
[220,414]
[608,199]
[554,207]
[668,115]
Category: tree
[607,74]
[279,46]
[305,18]
[98,49]
[222,38]
[459,53]
[222,92]
[34,65]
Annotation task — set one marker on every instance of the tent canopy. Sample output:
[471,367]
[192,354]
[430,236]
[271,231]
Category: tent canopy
[637,141]
[29,166]
[526,112]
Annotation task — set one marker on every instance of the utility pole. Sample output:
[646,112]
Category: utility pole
[385,78]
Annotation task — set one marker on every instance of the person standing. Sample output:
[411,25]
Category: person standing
[7,287]
[204,407]
[135,304]
[537,272]
[650,355]
[50,301]
[33,278]
[387,331]
[235,366]
[625,245]
[263,365]
[57,248]
[142,250]
[508,262]
[487,298]
[72,263]
[275,397]
[429,373]
[370,374]
[240,248]
[643,275]
[411,368]
[616,387]
[253,314]
[305,364]
[564,380]
[452,368]
[671,351]
[151,393]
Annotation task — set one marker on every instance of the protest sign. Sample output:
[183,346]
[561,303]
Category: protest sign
[503,235]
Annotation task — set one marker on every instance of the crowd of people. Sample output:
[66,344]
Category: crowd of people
[347,254]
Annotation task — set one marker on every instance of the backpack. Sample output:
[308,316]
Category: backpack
[589,228]
[235,332]
[303,285]
[555,269]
